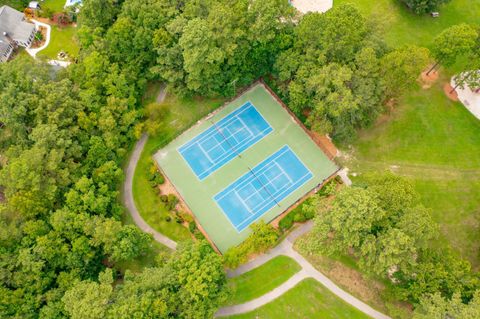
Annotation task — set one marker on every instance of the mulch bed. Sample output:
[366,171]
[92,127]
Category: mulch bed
[447,88]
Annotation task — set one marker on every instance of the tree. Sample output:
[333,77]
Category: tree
[89,299]
[452,43]
[347,224]
[192,284]
[401,68]
[424,6]
[99,13]
[437,307]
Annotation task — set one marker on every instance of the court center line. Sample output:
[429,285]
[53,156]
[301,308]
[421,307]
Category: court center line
[259,137]
[263,213]
[262,167]
[193,141]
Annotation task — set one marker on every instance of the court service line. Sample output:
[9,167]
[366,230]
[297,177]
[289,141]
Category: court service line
[214,167]
[212,130]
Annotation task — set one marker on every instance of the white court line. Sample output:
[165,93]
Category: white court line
[204,152]
[233,117]
[245,125]
[243,203]
[285,173]
[262,133]
[248,219]
[261,170]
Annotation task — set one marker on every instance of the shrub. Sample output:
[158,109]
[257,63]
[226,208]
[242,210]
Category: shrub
[328,189]
[198,235]
[164,198]
[186,217]
[168,219]
[192,227]
[263,237]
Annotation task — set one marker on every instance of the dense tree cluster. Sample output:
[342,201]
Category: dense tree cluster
[64,136]
[191,284]
[390,233]
[424,6]
[338,73]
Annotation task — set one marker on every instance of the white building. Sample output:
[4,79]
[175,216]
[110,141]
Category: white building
[14,31]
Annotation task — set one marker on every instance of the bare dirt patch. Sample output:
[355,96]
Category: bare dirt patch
[450,92]
[325,144]
[426,80]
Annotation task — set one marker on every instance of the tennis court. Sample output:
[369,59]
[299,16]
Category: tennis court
[224,140]
[262,188]
[250,160]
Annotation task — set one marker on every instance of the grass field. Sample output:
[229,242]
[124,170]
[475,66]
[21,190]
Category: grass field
[62,39]
[376,292]
[401,26]
[308,299]
[436,143]
[199,194]
[54,5]
[261,280]
[182,114]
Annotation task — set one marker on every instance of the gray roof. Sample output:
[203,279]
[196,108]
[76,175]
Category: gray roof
[12,22]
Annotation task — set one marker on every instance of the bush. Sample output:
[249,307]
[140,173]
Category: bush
[198,235]
[192,227]
[186,217]
[328,189]
[164,198]
[168,219]
[300,214]
[263,237]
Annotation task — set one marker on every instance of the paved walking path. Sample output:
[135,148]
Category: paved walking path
[286,248]
[128,199]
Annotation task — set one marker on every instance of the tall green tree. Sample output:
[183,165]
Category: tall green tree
[453,43]
[424,6]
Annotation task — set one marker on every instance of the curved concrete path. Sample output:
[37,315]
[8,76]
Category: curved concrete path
[286,248]
[33,52]
[128,199]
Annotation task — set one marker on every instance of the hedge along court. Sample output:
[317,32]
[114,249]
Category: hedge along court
[247,161]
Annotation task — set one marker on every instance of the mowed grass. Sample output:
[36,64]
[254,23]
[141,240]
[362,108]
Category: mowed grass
[308,299]
[54,5]
[436,143]
[261,280]
[400,26]
[62,39]
[182,114]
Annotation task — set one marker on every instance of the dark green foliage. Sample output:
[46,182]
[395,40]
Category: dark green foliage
[263,237]
[192,226]
[383,225]
[424,6]
[191,284]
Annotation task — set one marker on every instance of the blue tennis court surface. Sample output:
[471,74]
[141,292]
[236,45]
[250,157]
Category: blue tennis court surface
[256,192]
[222,141]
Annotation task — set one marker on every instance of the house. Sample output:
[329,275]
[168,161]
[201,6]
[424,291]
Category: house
[14,31]
[34,5]
[72,3]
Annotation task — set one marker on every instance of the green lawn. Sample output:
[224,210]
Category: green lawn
[261,280]
[62,39]
[308,299]
[374,291]
[400,26]
[54,5]
[436,143]
[182,114]
[16,4]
